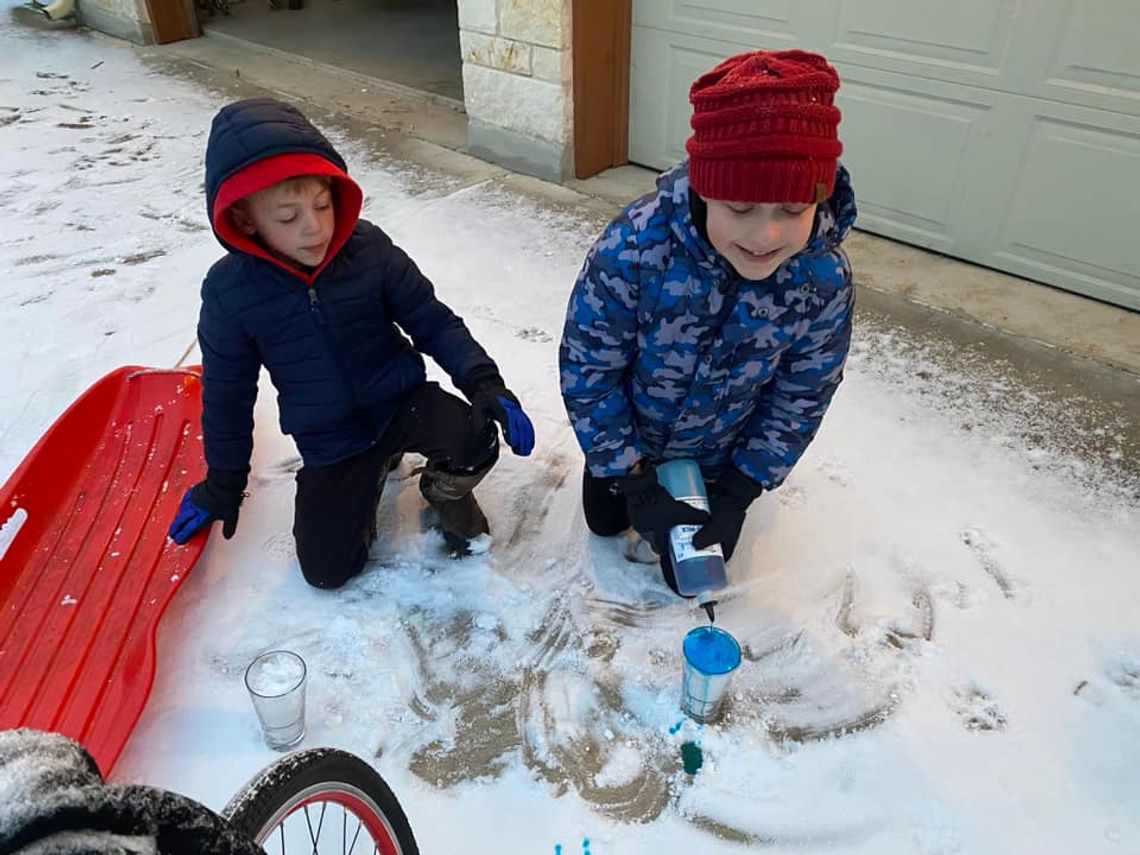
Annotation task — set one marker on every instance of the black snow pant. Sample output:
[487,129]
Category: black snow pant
[604,505]
[334,521]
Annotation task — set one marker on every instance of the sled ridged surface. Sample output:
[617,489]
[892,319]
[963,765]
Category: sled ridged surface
[90,571]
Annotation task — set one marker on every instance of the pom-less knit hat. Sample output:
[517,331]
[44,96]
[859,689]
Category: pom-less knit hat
[765,129]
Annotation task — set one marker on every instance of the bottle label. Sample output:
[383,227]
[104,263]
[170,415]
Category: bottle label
[682,541]
[681,537]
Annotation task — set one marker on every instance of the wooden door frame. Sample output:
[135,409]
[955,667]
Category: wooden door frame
[601,33]
[176,20]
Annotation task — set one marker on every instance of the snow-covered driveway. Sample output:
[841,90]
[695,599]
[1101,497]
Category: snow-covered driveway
[939,609]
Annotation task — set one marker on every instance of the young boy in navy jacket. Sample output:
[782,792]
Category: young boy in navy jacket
[323,300]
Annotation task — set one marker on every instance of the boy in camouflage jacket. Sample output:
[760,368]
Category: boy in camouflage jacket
[712,319]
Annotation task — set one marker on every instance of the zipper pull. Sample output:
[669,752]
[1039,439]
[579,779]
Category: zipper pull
[315,306]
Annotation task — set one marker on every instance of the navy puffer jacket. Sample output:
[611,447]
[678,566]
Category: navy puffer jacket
[330,337]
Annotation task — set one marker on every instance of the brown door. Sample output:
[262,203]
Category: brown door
[173,20]
[601,33]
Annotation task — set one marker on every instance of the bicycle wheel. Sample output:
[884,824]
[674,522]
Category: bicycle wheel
[319,801]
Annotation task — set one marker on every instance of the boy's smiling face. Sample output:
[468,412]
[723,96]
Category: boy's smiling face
[757,238]
[295,219]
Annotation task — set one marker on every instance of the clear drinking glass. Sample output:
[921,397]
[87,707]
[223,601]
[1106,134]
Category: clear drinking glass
[276,684]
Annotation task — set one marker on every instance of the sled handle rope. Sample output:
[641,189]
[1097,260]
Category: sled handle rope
[143,372]
[177,367]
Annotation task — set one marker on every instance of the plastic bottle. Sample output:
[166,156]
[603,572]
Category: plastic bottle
[700,572]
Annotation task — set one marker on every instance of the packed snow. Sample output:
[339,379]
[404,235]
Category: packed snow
[937,611]
[275,673]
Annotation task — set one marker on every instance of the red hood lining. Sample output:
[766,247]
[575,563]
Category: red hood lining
[347,200]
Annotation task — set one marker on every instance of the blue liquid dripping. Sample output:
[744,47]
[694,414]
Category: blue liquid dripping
[711,651]
[673,730]
[557,849]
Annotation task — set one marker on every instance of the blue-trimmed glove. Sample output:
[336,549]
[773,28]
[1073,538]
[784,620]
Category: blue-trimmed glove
[492,401]
[216,498]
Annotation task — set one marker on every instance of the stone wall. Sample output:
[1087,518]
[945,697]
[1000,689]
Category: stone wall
[127,19]
[517,83]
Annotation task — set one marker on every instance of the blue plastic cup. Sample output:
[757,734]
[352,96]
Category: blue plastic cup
[711,657]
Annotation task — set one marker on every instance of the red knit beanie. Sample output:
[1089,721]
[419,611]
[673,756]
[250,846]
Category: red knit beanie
[765,129]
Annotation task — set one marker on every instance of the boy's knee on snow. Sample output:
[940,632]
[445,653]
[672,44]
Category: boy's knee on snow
[329,572]
[324,581]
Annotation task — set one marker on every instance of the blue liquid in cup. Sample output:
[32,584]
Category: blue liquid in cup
[711,650]
[711,656]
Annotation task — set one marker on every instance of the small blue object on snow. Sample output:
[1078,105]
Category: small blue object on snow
[585,847]
[711,657]
[692,758]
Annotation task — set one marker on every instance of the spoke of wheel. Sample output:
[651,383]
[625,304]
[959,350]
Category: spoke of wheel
[359,825]
[309,823]
[320,825]
[313,838]
[281,828]
[343,829]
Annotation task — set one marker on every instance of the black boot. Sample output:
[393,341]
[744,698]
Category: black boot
[461,520]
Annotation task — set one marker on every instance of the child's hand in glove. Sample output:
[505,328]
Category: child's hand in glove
[491,401]
[729,497]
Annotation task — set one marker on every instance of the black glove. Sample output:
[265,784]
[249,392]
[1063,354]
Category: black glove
[491,401]
[652,511]
[729,497]
[216,498]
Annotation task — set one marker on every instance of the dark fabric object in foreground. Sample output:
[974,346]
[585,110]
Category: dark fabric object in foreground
[53,801]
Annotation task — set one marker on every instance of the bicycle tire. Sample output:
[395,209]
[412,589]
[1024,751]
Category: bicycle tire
[321,776]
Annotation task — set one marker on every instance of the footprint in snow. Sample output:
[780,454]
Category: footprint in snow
[1125,674]
[535,334]
[791,496]
[835,470]
[280,546]
[984,548]
[976,709]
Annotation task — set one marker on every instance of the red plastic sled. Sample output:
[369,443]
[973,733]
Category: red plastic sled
[90,570]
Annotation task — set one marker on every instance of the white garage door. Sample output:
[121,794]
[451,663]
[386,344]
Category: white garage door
[1006,132]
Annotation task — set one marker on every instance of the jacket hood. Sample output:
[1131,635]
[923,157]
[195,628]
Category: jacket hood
[833,221]
[260,142]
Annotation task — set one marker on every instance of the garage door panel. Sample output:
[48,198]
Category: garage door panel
[664,66]
[1060,225]
[968,35]
[908,152]
[759,24]
[686,63]
[1098,51]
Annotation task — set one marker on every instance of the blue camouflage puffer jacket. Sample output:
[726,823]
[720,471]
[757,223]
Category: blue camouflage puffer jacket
[668,353]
